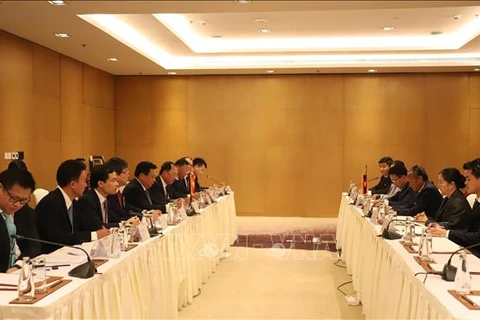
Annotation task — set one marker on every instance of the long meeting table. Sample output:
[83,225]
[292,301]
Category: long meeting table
[154,280]
[383,273]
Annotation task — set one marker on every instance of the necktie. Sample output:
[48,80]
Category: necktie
[105,211]
[166,193]
[70,215]
[148,197]
[120,199]
[12,230]
[186,183]
[475,204]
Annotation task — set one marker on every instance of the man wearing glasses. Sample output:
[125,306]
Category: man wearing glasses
[116,202]
[16,186]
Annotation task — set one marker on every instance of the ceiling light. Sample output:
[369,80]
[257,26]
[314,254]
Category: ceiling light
[57,2]
[113,59]
[261,20]
[270,71]
[62,35]
[372,70]
[388,28]
[264,30]
[476,69]
[171,73]
[243,1]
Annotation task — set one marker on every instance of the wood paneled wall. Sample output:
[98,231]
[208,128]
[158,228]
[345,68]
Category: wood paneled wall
[52,107]
[288,145]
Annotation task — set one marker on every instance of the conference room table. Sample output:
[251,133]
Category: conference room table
[156,279]
[383,272]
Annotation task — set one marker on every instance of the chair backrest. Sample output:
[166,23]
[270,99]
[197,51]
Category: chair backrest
[471,199]
[38,194]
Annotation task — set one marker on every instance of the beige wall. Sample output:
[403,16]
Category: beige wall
[289,144]
[52,107]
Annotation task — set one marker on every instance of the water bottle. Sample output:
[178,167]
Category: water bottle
[425,250]
[26,285]
[463,282]
[409,231]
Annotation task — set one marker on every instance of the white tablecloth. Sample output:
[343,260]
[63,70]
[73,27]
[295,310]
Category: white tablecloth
[154,280]
[383,273]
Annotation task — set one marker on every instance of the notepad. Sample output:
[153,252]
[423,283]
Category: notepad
[8,278]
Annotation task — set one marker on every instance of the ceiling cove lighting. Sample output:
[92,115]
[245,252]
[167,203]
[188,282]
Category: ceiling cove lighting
[179,25]
[57,2]
[126,34]
[62,35]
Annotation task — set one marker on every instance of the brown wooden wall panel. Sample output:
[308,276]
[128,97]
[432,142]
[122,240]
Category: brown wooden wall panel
[16,63]
[474,93]
[47,117]
[41,109]
[474,135]
[133,93]
[98,88]
[289,144]
[46,71]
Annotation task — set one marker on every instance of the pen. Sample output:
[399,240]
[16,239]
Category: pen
[464,296]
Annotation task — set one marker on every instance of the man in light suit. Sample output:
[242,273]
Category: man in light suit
[55,212]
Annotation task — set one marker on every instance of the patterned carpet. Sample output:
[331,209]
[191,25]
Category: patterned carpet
[287,233]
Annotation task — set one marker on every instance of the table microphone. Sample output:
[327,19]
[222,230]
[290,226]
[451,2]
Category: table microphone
[390,235]
[219,183]
[84,271]
[449,271]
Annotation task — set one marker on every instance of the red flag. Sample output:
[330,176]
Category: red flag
[192,183]
[364,181]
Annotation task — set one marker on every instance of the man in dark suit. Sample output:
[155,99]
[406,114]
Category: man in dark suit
[55,211]
[162,191]
[199,166]
[16,187]
[25,221]
[182,184]
[405,196]
[384,184]
[92,211]
[427,197]
[116,202]
[471,235]
[136,191]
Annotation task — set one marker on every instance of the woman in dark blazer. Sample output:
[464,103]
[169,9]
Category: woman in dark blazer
[454,211]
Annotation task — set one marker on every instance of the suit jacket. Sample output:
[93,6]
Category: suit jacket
[180,187]
[117,209]
[53,223]
[88,213]
[427,200]
[403,198]
[383,185]
[137,199]
[25,221]
[4,246]
[454,212]
[470,236]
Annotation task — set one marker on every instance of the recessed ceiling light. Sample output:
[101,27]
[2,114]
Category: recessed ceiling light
[171,73]
[216,36]
[62,35]
[372,70]
[243,1]
[264,30]
[476,69]
[261,20]
[57,2]
[113,59]
[270,71]
[388,28]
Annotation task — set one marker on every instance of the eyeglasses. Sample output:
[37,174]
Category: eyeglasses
[15,200]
